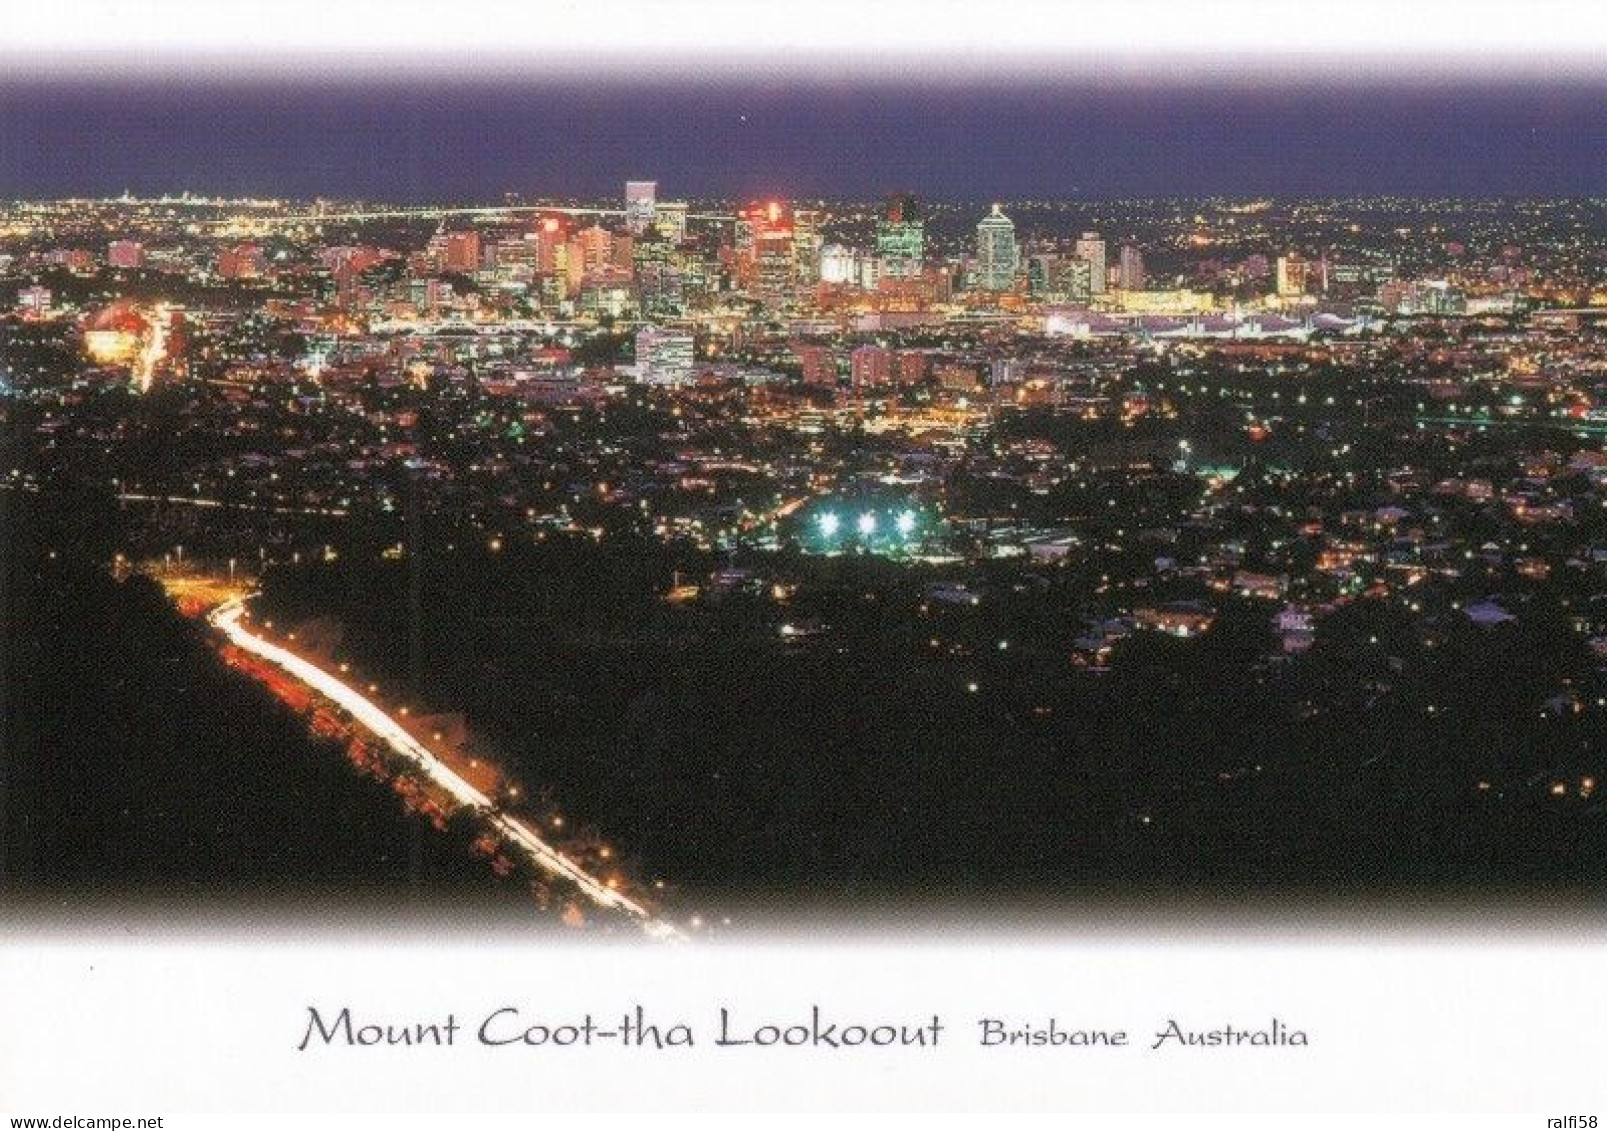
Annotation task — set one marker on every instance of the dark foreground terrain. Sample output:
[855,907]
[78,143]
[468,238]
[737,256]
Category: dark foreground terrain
[858,759]
[137,764]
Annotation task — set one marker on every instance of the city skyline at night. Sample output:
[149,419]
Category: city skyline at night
[855,451]
[723,555]
[1152,532]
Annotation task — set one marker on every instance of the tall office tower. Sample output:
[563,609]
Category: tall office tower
[671,220]
[806,244]
[1317,275]
[1042,272]
[1091,248]
[641,205]
[1075,281]
[661,288]
[1130,269]
[996,255]
[1291,276]
[596,248]
[347,279]
[513,258]
[460,251]
[574,271]
[125,253]
[651,247]
[660,281]
[766,249]
[622,251]
[901,237]
[664,357]
[838,264]
[552,236]
[870,272]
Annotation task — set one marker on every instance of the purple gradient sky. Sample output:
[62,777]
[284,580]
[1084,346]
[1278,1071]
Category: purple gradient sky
[432,139]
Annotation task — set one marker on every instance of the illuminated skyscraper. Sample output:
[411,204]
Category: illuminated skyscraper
[1091,249]
[641,205]
[1130,269]
[596,249]
[806,244]
[1075,282]
[1291,276]
[671,220]
[1042,270]
[660,281]
[996,254]
[622,251]
[901,237]
[552,234]
[460,252]
[838,264]
[766,249]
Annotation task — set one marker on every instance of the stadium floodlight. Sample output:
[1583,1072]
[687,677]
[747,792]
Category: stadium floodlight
[867,523]
[906,523]
[828,524]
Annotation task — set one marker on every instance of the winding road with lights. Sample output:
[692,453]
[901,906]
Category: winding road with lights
[228,618]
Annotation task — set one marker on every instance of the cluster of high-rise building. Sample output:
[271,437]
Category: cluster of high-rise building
[898,262]
[835,293]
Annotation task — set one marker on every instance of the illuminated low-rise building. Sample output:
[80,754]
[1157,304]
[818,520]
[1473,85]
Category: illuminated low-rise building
[664,357]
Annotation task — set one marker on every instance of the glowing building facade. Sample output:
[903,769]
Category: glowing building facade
[997,256]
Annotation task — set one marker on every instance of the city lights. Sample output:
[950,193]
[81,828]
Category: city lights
[1052,468]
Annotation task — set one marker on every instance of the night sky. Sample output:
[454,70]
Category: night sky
[426,139]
